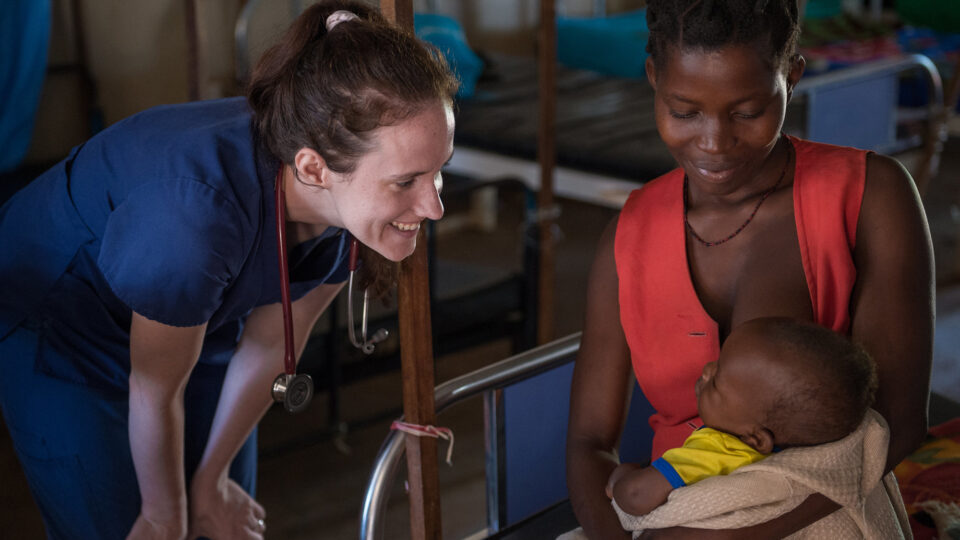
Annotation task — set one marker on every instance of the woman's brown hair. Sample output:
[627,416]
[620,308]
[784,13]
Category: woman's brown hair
[330,90]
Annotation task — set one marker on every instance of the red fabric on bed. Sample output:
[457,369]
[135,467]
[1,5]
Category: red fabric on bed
[932,472]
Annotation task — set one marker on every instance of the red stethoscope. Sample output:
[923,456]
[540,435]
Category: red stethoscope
[296,390]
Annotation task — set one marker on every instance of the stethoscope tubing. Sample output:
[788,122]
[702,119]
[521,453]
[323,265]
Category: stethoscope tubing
[295,391]
[363,343]
[289,358]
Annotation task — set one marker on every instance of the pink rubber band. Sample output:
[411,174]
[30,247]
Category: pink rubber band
[427,431]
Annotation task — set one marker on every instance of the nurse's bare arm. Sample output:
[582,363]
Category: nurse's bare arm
[161,358]
[598,399]
[245,396]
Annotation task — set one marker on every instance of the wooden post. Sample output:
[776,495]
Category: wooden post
[88,89]
[416,358]
[398,11]
[547,156]
[193,50]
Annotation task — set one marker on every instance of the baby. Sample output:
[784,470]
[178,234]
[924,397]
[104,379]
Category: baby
[778,383]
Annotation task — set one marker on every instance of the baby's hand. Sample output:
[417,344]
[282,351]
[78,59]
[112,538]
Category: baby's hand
[619,473]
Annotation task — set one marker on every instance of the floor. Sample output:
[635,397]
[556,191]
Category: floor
[311,478]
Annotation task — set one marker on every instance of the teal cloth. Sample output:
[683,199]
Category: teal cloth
[613,45]
[446,34]
[822,9]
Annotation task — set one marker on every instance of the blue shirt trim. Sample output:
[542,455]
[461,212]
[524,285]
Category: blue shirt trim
[667,470]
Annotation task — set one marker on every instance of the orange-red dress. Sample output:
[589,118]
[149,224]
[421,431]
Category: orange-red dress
[670,335]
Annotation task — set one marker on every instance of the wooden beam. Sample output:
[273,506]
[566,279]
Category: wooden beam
[193,50]
[398,11]
[547,156]
[88,89]
[416,359]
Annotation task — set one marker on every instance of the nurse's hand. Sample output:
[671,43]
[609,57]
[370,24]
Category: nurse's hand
[225,512]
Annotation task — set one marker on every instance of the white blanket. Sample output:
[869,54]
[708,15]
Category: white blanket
[848,471]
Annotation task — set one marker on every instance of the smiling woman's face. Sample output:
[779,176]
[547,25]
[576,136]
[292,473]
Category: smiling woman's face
[396,186]
[720,112]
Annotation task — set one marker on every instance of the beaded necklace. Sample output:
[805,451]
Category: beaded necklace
[763,197]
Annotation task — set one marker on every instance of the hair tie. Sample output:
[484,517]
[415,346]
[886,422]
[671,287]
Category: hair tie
[338,17]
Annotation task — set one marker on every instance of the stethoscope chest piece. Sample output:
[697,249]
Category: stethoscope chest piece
[294,391]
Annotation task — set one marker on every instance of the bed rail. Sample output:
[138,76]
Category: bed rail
[876,68]
[857,105]
[498,375]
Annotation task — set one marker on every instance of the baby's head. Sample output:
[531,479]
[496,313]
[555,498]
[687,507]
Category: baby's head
[786,382]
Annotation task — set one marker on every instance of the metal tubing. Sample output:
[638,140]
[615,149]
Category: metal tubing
[503,373]
[936,111]
[878,68]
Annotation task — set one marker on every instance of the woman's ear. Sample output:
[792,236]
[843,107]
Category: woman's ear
[310,168]
[759,438]
[651,69]
[797,65]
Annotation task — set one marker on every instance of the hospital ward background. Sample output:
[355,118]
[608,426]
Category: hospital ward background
[883,75]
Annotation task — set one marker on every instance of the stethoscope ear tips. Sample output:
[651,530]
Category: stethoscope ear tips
[294,391]
[379,335]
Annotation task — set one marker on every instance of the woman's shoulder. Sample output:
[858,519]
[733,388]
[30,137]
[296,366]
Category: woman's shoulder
[828,160]
[889,188]
[829,175]
[654,192]
[844,164]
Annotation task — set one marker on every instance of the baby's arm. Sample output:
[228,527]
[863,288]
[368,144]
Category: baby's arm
[638,490]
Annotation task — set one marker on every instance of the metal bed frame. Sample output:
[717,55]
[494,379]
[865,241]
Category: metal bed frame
[868,93]
[486,381]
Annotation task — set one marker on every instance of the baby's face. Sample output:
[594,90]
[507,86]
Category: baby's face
[732,392]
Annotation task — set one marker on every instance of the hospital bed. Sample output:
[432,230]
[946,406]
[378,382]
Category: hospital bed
[525,402]
[607,143]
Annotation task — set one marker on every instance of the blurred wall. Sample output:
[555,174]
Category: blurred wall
[137,53]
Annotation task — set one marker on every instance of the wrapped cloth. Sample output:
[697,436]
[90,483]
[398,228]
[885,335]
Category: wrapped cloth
[848,471]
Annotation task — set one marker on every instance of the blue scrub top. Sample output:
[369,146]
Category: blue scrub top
[169,213]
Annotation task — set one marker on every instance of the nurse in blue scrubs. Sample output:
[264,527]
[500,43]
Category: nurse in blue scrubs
[140,324]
